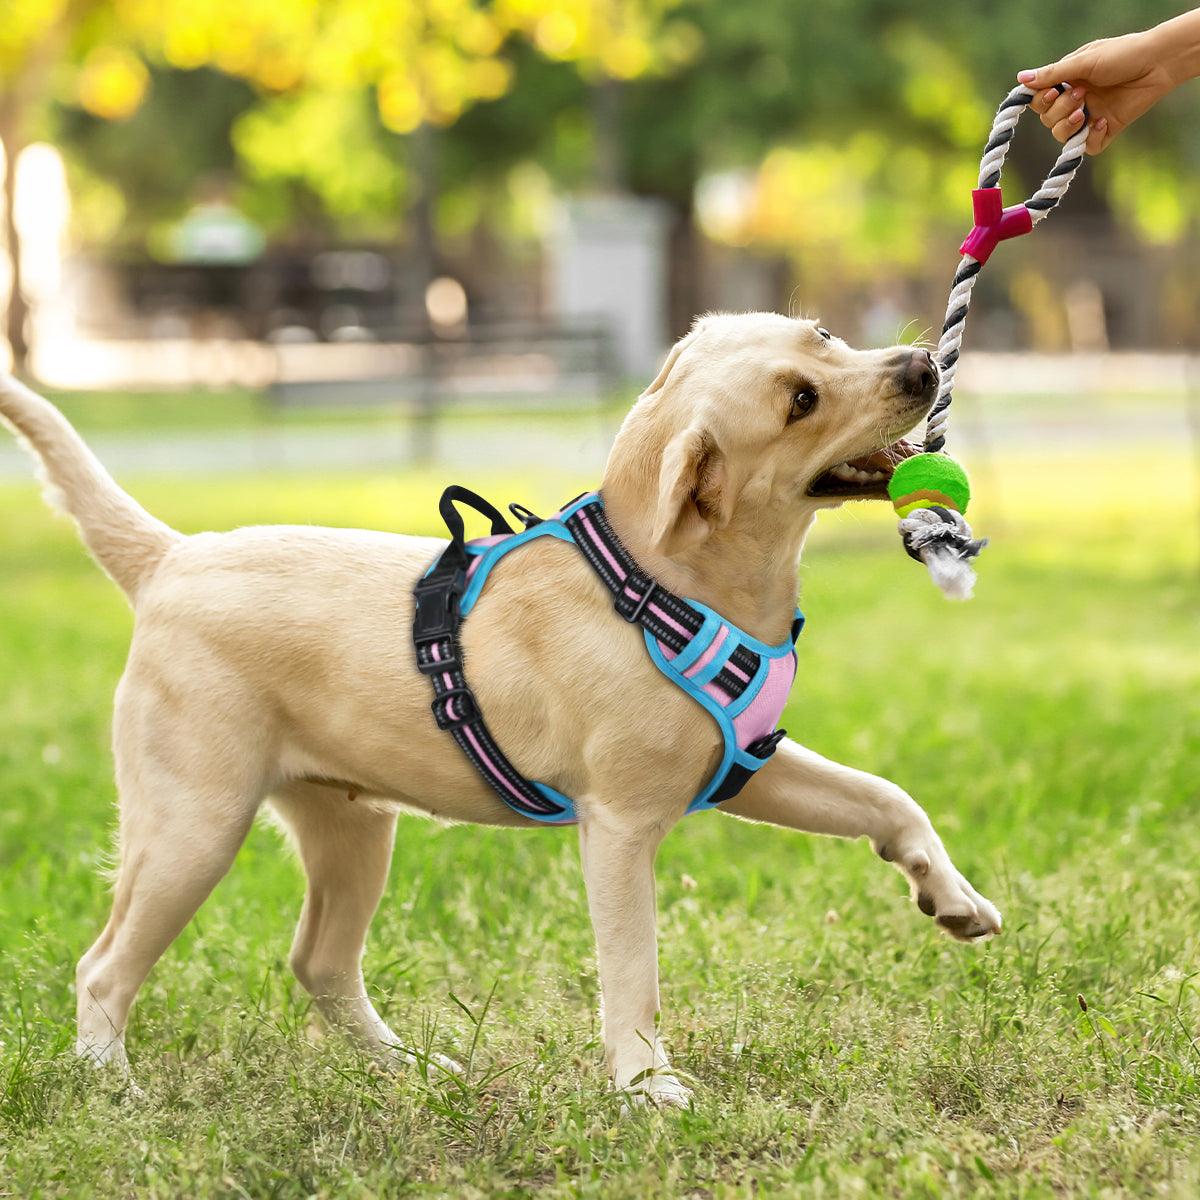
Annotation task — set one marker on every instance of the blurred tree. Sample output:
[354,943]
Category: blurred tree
[851,128]
[858,123]
[305,145]
[131,174]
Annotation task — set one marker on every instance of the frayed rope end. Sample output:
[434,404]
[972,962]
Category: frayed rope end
[941,539]
[954,575]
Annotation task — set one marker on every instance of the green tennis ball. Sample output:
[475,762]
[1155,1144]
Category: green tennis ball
[928,479]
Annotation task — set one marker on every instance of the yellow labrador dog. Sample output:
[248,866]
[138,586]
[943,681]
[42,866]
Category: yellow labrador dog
[275,664]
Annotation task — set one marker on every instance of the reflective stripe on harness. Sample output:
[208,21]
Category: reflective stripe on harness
[741,682]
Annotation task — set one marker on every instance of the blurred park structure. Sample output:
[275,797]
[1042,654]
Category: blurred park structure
[356,203]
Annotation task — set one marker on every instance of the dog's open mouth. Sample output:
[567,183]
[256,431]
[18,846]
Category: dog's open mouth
[863,478]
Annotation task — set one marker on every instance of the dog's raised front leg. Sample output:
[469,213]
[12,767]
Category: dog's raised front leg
[618,868]
[799,789]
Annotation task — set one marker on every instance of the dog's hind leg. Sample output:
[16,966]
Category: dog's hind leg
[345,846]
[188,789]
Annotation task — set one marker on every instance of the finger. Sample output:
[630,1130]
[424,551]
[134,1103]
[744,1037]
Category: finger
[1069,68]
[1097,136]
[1042,101]
[1063,107]
[1069,126]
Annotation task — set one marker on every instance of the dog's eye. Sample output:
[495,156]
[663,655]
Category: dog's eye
[824,333]
[803,402]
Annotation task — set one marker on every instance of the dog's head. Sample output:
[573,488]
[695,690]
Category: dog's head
[757,417]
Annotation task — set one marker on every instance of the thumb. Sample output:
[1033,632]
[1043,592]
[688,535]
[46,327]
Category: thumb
[1066,70]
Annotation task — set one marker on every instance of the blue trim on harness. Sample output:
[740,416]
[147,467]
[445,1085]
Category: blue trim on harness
[723,714]
[491,555]
[713,627]
[566,817]
[700,643]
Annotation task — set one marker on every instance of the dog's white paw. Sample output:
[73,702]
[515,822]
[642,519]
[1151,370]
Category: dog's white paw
[942,892]
[399,1058]
[449,1065]
[956,906]
[660,1089]
[112,1069]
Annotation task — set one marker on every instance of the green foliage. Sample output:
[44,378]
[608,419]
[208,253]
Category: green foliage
[859,121]
[328,145]
[161,157]
[24,27]
[838,1046]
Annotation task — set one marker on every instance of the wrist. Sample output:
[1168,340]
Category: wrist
[1175,47]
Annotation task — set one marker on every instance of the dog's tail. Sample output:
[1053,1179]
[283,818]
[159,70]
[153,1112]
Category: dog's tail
[121,535]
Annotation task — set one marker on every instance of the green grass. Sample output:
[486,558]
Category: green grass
[219,410]
[837,1045]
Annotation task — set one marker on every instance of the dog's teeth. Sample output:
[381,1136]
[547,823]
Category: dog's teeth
[849,474]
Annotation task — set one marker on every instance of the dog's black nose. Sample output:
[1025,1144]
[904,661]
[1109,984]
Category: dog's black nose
[919,376]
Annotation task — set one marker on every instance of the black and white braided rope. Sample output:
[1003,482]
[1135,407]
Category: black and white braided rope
[1040,205]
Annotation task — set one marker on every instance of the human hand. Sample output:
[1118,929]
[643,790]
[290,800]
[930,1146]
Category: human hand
[1118,78]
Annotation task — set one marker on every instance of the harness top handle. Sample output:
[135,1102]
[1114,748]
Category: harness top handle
[435,613]
[930,491]
[456,494]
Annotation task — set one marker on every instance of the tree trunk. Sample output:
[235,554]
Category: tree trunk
[423,254]
[608,168]
[685,284]
[16,318]
[424,262]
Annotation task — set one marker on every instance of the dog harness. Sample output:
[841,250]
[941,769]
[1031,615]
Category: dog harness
[741,682]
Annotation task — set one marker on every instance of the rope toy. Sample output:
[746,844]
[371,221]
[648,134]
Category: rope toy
[930,491]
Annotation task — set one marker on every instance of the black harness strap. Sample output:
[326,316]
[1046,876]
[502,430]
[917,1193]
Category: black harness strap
[436,622]
[642,601]
[638,599]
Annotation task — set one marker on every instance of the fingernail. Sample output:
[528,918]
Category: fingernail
[1076,116]
[1026,76]
[1077,93]
[1048,97]
[1101,125]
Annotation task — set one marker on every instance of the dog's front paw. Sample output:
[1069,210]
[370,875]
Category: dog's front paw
[660,1088]
[395,1058]
[956,906]
[942,892]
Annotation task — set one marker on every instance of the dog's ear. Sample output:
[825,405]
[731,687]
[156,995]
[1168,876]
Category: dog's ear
[672,358]
[693,492]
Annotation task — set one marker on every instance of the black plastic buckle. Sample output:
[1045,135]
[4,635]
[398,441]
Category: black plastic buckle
[466,703]
[635,580]
[764,747]
[526,516]
[439,666]
[436,600]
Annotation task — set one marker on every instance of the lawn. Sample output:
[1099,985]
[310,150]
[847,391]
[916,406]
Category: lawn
[219,410]
[837,1045]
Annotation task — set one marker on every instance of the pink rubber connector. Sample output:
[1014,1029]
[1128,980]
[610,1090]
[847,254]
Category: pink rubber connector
[993,223]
